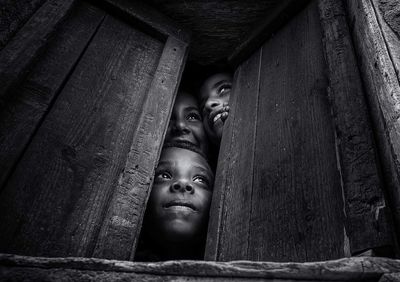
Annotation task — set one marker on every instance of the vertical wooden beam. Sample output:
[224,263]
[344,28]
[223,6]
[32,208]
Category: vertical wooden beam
[367,223]
[228,233]
[277,194]
[121,227]
[388,14]
[297,212]
[383,92]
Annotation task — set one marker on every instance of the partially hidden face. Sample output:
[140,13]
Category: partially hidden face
[186,122]
[180,199]
[215,93]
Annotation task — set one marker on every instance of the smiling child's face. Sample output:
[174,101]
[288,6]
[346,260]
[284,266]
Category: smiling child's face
[186,123]
[181,196]
[215,93]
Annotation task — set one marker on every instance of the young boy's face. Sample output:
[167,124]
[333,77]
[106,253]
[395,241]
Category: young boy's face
[181,195]
[215,93]
[186,122]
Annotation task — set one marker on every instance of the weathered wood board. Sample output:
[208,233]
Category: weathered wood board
[18,268]
[98,100]
[237,158]
[287,203]
[368,223]
[23,109]
[14,14]
[381,83]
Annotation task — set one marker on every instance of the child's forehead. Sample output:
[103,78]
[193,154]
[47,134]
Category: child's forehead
[186,99]
[179,157]
[213,81]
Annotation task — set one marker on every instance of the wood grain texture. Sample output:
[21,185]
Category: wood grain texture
[21,114]
[149,18]
[367,225]
[297,207]
[388,14]
[350,269]
[218,26]
[121,227]
[56,198]
[14,14]
[35,274]
[18,54]
[383,94]
[390,277]
[228,232]
[270,24]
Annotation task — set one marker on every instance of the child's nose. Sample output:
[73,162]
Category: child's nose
[180,126]
[211,104]
[182,186]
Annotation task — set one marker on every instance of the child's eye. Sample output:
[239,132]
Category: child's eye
[201,179]
[224,89]
[163,175]
[194,116]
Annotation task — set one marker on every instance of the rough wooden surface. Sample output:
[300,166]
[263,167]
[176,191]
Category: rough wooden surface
[367,225]
[148,18]
[388,15]
[21,114]
[297,208]
[270,24]
[383,93]
[390,277]
[228,234]
[14,14]
[56,198]
[351,269]
[18,54]
[218,26]
[121,227]
[280,199]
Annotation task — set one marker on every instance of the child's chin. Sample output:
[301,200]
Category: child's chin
[180,230]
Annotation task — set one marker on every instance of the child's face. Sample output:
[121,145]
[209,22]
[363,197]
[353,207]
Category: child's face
[215,93]
[186,122]
[181,195]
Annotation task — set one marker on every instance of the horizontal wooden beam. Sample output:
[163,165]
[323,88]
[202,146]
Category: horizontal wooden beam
[349,269]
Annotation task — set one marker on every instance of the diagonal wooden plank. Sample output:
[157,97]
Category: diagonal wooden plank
[19,53]
[21,114]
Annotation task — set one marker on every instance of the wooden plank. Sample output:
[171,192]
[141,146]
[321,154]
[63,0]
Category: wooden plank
[387,14]
[19,53]
[121,227]
[14,14]
[390,277]
[349,269]
[366,222]
[21,114]
[228,231]
[148,18]
[297,207]
[275,19]
[383,93]
[55,200]
[37,274]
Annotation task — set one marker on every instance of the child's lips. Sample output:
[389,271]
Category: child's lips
[214,116]
[186,138]
[179,203]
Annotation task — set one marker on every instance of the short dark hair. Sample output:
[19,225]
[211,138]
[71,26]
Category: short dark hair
[186,145]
